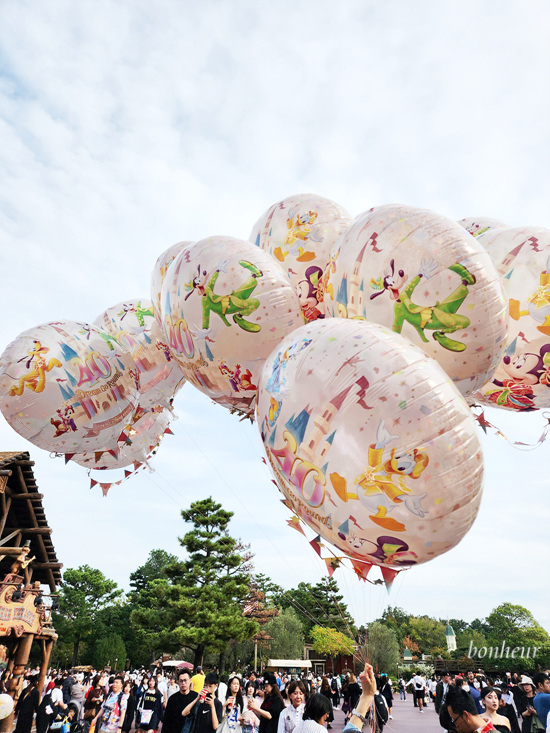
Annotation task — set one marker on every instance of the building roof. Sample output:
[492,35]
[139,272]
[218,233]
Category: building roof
[301,663]
[22,518]
[449,631]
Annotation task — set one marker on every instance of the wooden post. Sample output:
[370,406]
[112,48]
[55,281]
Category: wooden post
[21,658]
[47,646]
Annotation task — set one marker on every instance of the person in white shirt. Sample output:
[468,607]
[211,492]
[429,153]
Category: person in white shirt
[418,685]
[292,714]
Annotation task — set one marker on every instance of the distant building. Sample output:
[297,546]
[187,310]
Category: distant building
[450,638]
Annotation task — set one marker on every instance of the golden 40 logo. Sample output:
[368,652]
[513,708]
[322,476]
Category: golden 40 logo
[305,476]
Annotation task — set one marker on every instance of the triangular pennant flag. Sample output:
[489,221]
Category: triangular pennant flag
[168,432]
[92,483]
[97,455]
[294,522]
[362,569]
[68,457]
[332,563]
[105,488]
[137,465]
[122,438]
[389,576]
[117,483]
[127,473]
[286,502]
[316,544]
[114,453]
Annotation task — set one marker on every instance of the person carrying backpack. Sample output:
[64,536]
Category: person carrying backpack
[113,710]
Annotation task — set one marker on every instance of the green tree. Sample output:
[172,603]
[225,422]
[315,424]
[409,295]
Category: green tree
[517,628]
[288,635]
[110,650]
[465,638]
[149,624]
[84,592]
[320,604]
[331,642]
[153,568]
[200,603]
[382,647]
[428,633]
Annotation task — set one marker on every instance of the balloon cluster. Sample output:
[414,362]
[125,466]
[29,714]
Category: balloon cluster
[357,345]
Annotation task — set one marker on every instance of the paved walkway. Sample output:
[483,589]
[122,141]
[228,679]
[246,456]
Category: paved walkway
[406,719]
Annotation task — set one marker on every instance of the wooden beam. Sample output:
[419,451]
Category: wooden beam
[24,462]
[44,565]
[10,536]
[6,504]
[28,530]
[27,497]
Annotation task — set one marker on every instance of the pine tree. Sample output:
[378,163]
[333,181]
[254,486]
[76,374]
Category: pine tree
[208,589]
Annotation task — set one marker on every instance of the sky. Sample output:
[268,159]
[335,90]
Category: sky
[127,127]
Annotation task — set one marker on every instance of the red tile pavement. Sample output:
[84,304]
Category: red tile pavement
[406,719]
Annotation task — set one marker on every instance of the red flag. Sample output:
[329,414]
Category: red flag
[362,569]
[105,488]
[68,457]
[389,576]
[316,544]
[168,432]
[127,473]
[92,483]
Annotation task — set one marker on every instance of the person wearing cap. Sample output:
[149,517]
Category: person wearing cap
[541,701]
[524,704]
[271,707]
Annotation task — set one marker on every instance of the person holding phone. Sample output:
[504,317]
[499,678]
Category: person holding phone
[208,709]
[250,722]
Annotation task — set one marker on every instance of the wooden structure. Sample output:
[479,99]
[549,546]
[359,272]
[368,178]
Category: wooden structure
[27,562]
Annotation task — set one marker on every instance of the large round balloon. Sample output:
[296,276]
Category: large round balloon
[478,226]
[159,272]
[522,379]
[225,305]
[6,705]
[133,324]
[424,276]
[140,439]
[299,232]
[68,387]
[370,442]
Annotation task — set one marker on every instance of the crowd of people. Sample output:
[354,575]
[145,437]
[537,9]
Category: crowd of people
[474,701]
[187,702]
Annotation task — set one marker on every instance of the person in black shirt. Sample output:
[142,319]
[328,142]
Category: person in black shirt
[208,709]
[174,720]
[272,706]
